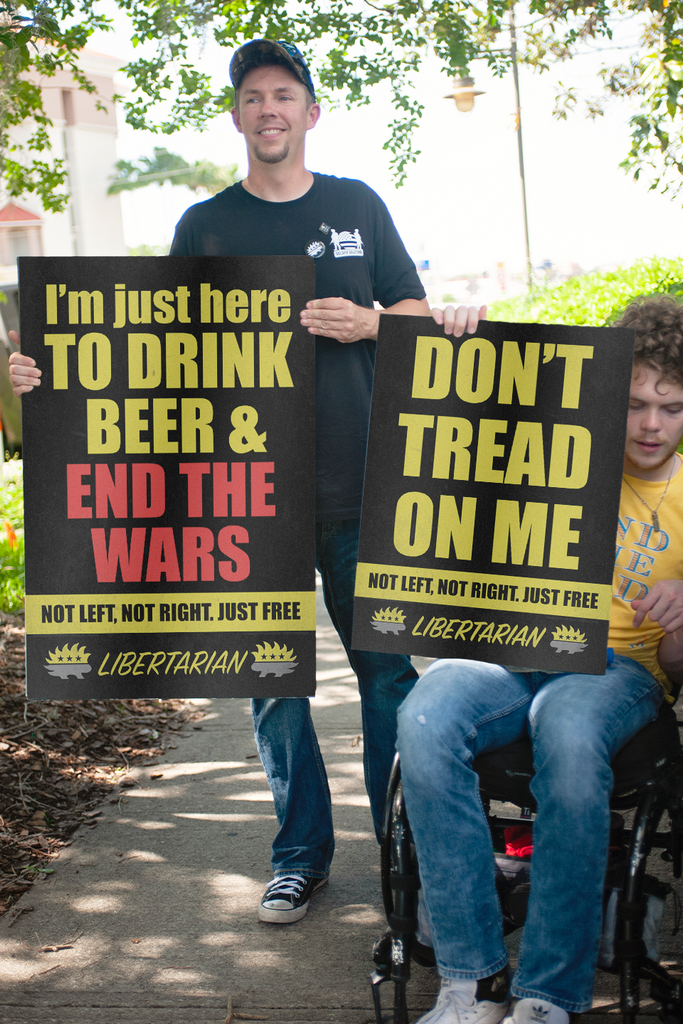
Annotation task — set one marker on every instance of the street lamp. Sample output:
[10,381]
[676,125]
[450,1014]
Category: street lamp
[464,93]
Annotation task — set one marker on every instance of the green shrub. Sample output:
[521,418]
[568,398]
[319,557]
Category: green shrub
[593,299]
[11,542]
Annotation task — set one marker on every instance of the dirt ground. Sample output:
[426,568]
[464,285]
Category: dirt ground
[60,759]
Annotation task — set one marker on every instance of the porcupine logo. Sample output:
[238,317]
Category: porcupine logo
[388,620]
[68,661]
[273,659]
[568,640]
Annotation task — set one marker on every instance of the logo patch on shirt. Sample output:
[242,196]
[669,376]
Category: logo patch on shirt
[315,249]
[346,244]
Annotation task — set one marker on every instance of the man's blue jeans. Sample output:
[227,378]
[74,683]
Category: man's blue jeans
[577,723]
[286,738]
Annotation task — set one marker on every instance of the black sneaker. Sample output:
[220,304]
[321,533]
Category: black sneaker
[286,898]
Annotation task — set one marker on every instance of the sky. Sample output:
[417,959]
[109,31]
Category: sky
[461,207]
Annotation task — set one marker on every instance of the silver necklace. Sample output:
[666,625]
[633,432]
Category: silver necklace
[653,511]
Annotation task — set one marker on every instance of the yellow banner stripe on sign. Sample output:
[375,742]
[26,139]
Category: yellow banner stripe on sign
[479,590]
[65,614]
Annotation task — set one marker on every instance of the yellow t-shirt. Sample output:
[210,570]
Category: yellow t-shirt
[643,557]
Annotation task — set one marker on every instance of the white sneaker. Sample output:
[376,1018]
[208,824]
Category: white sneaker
[458,1004]
[536,1011]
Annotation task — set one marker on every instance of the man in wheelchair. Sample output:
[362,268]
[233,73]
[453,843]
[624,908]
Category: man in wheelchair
[576,723]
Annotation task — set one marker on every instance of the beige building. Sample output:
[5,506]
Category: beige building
[85,138]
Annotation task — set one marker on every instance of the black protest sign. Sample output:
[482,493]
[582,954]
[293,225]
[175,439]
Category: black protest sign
[169,481]
[492,493]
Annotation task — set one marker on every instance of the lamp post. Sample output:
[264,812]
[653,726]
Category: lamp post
[464,93]
[520,147]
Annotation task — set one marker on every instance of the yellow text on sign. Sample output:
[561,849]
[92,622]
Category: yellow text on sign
[473,370]
[519,534]
[484,590]
[72,614]
[445,448]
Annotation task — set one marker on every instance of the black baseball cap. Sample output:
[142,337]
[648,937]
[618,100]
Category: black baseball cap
[260,52]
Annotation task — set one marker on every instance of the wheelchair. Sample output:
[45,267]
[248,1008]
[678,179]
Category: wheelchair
[648,779]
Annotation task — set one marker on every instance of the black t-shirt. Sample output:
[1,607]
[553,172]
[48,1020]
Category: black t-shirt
[358,254]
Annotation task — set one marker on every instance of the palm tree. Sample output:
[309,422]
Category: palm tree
[165,166]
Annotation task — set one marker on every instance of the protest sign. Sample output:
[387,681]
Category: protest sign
[169,477]
[492,492]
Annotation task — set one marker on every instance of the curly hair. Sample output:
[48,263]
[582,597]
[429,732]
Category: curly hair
[658,323]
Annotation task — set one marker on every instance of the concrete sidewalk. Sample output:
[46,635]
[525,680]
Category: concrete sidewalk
[157,903]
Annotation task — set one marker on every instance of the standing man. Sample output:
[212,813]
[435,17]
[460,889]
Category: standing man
[281,208]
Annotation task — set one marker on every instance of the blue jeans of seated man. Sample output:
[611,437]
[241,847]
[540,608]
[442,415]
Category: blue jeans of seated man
[286,738]
[577,723]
